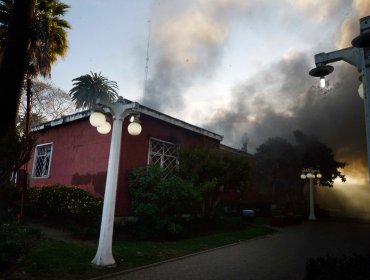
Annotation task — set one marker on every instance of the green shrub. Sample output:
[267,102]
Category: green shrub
[14,241]
[354,267]
[62,203]
[160,201]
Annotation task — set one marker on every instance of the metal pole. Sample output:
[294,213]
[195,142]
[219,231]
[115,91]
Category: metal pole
[366,84]
[312,205]
[104,256]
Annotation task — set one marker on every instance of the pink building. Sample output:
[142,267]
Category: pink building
[71,152]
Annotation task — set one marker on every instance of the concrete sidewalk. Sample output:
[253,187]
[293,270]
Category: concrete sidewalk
[279,256]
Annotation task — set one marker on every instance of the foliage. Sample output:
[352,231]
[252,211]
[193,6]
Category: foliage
[48,103]
[159,200]
[88,88]
[65,204]
[313,153]
[15,150]
[274,164]
[15,240]
[278,164]
[213,170]
[204,164]
[354,267]
[32,37]
[48,39]
[14,58]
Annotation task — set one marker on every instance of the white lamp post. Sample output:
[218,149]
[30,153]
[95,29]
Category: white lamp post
[358,56]
[311,174]
[119,111]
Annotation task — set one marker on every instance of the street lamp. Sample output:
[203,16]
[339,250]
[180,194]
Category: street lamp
[358,56]
[119,111]
[311,174]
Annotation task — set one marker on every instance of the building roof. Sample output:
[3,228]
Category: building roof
[141,109]
[234,150]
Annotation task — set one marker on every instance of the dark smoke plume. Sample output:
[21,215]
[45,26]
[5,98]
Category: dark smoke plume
[187,42]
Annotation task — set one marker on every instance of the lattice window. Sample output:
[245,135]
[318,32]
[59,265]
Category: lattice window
[41,166]
[163,153]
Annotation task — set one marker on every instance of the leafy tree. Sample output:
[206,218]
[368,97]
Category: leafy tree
[89,87]
[275,166]
[159,200]
[313,153]
[276,172]
[278,165]
[49,103]
[212,170]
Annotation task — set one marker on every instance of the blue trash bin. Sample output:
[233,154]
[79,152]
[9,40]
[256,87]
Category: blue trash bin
[248,215]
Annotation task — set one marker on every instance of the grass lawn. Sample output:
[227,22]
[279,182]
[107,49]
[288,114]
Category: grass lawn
[52,259]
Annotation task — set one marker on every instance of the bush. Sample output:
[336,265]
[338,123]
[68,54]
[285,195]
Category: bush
[14,241]
[62,203]
[355,267]
[160,201]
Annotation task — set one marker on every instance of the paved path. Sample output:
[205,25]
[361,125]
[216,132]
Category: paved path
[274,257]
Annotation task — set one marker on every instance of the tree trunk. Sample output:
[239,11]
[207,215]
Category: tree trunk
[14,61]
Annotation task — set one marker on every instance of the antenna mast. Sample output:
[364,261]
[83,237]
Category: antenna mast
[147,58]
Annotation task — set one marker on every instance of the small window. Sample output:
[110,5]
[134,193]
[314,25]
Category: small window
[41,166]
[163,153]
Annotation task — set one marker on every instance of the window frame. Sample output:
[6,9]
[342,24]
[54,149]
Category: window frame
[162,155]
[36,157]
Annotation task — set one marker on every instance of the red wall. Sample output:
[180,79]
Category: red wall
[80,154]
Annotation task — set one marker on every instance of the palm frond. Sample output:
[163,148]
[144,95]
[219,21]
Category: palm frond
[88,88]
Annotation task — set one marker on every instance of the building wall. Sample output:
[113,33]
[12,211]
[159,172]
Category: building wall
[80,154]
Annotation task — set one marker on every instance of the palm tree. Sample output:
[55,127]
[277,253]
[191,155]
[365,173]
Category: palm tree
[15,22]
[89,87]
[47,39]
[49,36]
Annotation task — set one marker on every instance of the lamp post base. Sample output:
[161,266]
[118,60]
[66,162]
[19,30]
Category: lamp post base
[312,218]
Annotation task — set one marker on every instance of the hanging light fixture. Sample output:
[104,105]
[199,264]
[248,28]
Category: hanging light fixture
[361,90]
[97,119]
[104,128]
[134,128]
[310,175]
[321,71]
